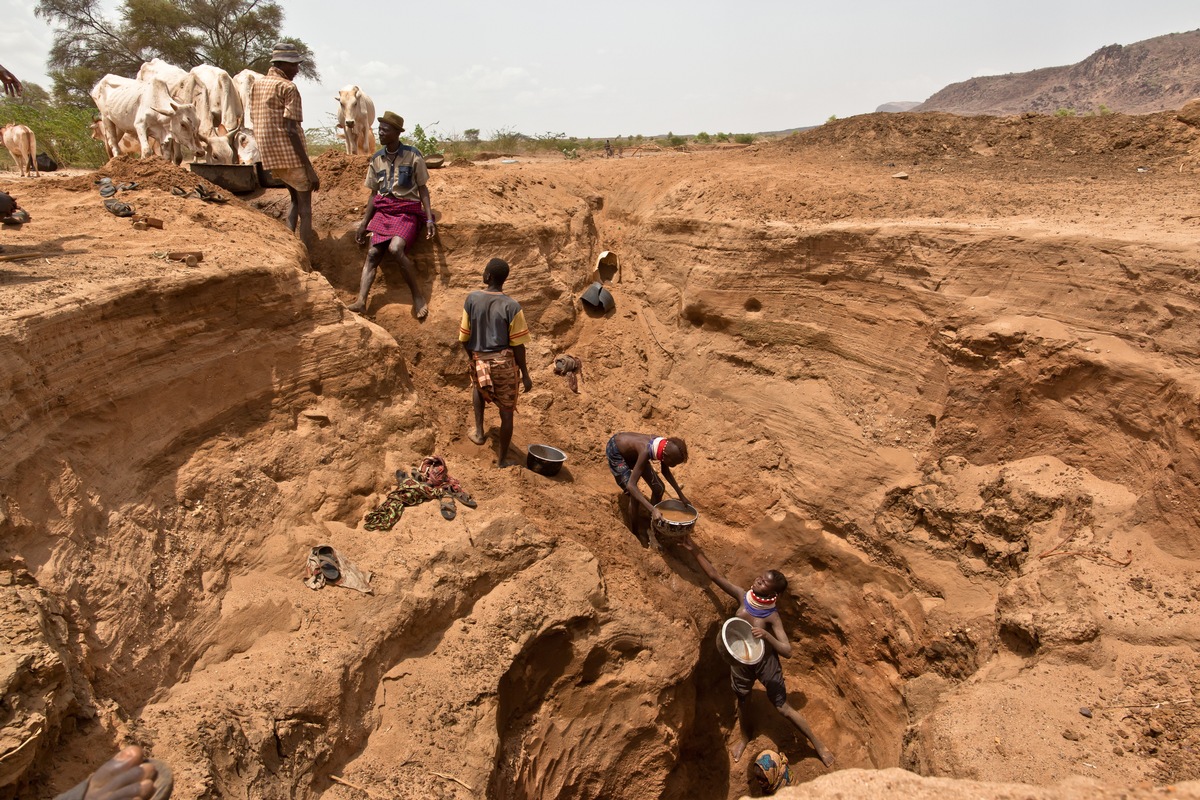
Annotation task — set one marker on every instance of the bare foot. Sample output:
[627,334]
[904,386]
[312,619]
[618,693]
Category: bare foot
[509,462]
[477,437]
[358,307]
[420,309]
[827,758]
[739,748]
[125,775]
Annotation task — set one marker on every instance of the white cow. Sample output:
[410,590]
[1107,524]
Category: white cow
[183,86]
[224,103]
[356,116]
[128,144]
[247,147]
[22,144]
[243,82]
[218,150]
[148,109]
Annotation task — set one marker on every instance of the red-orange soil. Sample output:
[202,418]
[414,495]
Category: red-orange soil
[959,409]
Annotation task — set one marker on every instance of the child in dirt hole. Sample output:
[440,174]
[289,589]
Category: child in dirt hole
[756,605]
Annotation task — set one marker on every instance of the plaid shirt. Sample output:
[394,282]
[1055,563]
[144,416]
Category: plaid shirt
[272,100]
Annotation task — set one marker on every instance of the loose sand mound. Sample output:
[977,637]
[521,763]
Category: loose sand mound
[958,410]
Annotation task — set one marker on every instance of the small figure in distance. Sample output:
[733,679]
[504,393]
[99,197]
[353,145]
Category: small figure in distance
[608,151]
[12,86]
[278,114]
[396,210]
[493,334]
[128,775]
[757,606]
[629,456]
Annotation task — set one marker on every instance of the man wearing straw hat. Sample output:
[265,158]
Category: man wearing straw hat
[756,605]
[397,209]
[275,109]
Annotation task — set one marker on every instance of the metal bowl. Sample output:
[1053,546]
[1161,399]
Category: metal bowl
[672,527]
[544,459]
[736,641]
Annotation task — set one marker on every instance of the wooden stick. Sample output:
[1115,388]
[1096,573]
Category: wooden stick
[23,256]
[22,745]
[467,786]
[362,789]
[1185,701]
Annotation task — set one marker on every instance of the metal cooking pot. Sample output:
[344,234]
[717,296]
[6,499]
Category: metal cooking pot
[736,642]
[673,527]
[544,459]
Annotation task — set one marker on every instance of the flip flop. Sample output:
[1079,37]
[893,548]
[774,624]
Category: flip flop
[207,196]
[448,509]
[125,187]
[107,190]
[118,208]
[466,499]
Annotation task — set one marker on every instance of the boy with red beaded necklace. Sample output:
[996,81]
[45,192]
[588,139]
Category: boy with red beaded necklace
[756,605]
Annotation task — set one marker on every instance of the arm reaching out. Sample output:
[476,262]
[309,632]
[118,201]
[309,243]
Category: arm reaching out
[671,479]
[12,86]
[736,592]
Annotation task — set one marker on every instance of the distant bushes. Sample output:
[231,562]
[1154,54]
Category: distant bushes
[62,131]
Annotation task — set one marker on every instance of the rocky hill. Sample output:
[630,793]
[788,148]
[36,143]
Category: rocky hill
[1153,75]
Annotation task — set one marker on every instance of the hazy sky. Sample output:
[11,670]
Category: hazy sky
[622,68]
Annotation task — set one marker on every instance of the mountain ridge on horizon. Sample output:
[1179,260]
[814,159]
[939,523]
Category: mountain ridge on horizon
[1155,74]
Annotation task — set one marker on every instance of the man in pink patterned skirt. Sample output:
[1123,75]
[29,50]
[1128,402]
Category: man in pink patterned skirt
[396,211]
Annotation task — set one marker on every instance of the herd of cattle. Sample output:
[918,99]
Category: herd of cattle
[205,114]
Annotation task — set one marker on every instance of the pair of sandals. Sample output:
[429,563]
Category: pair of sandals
[449,510]
[199,192]
[327,562]
[108,188]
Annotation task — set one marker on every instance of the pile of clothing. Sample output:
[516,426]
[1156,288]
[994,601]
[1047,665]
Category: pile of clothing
[430,481]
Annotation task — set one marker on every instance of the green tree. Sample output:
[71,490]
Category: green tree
[471,135]
[231,34]
[703,138]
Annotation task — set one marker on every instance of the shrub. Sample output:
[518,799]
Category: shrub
[427,143]
[1065,112]
[832,118]
[703,138]
[744,138]
[471,135]
[675,141]
[62,131]
[506,140]
[722,137]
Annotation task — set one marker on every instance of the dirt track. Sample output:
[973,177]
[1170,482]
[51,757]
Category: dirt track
[901,391]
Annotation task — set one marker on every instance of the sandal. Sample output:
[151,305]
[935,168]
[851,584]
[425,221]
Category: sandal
[209,197]
[466,499]
[448,509]
[118,208]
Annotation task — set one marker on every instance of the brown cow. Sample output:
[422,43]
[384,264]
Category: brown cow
[22,144]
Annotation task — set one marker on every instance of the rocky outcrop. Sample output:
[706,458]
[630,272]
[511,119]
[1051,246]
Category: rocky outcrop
[1152,75]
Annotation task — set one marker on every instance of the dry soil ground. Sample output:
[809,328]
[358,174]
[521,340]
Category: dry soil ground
[958,408]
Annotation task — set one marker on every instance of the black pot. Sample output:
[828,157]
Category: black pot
[544,459]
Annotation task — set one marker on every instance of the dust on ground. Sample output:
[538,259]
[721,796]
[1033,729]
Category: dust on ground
[957,407]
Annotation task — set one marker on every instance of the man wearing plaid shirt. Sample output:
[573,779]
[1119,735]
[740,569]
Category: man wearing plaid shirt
[275,109]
